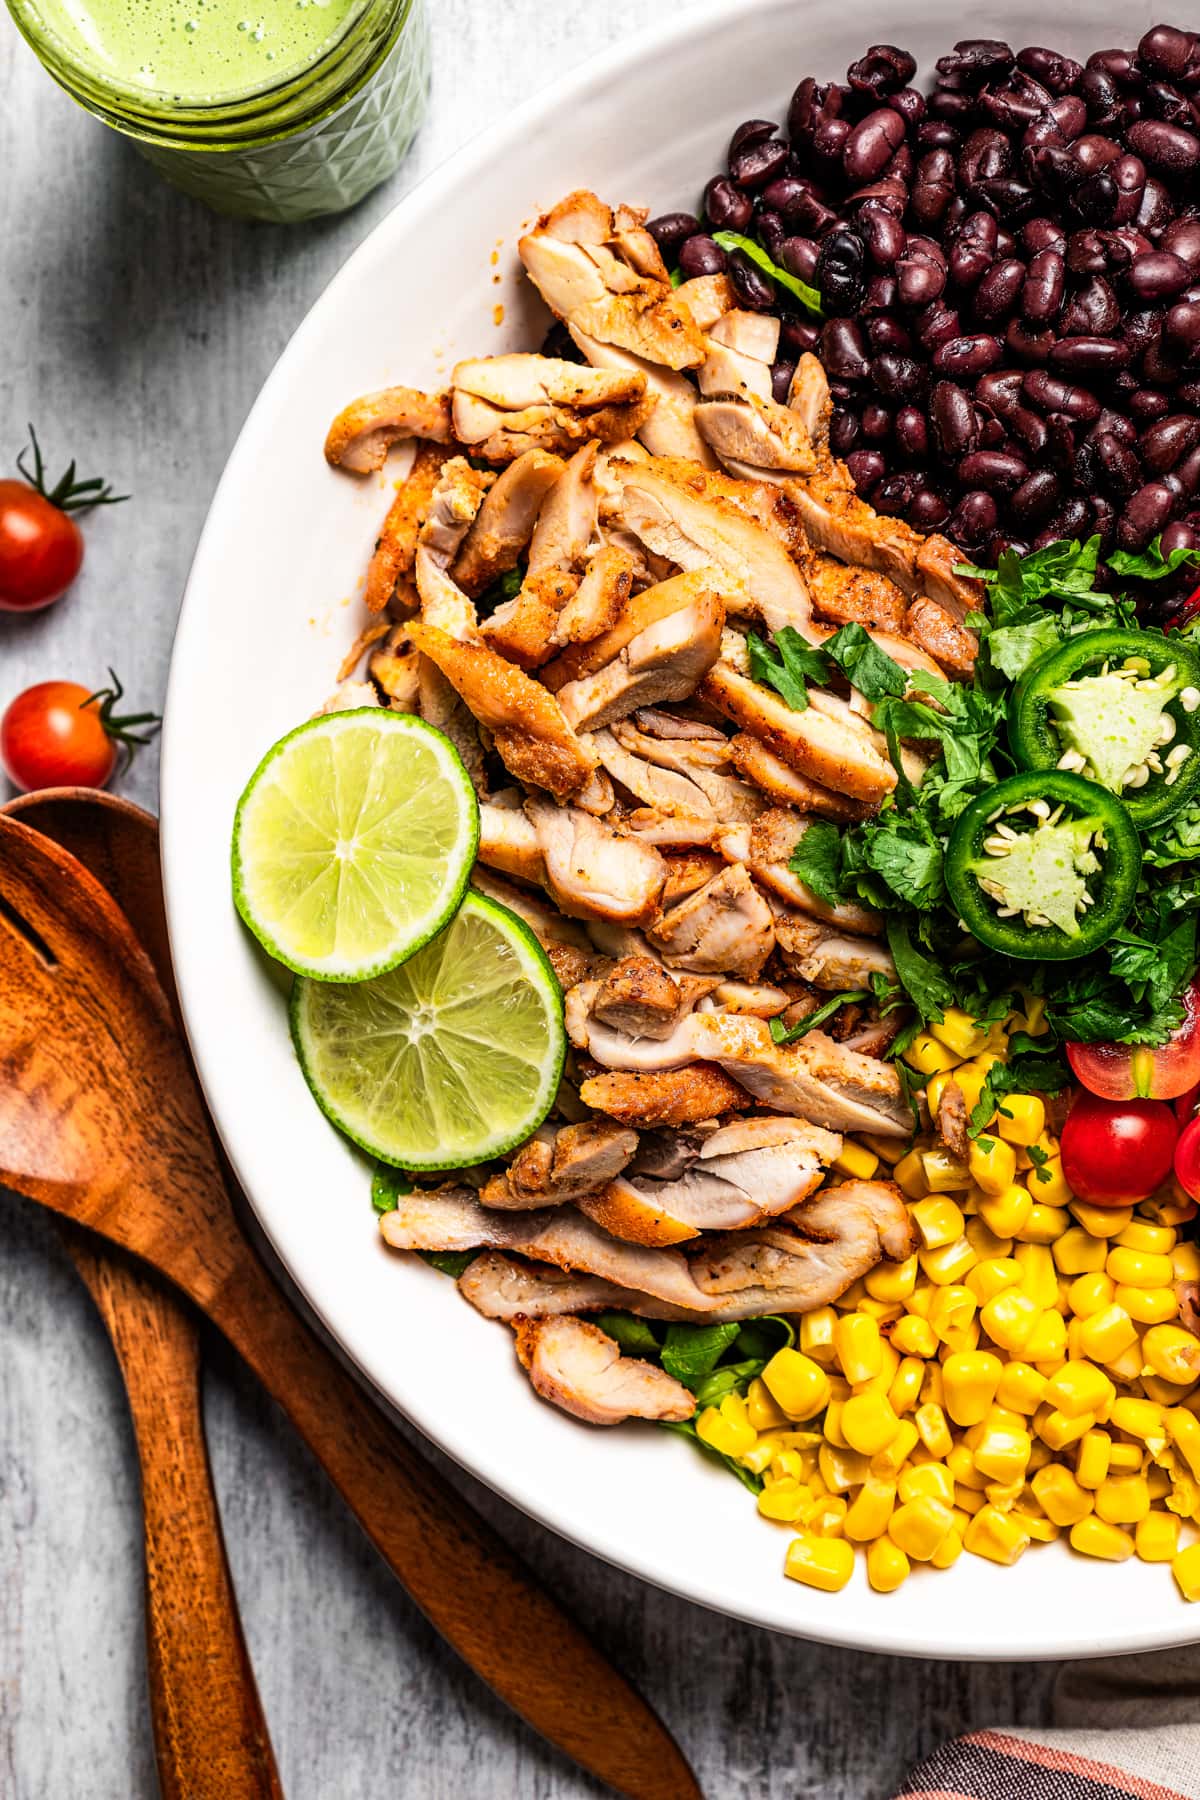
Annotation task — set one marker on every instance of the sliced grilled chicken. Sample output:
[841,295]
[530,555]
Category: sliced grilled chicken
[773,840]
[663,661]
[708,298]
[440,705]
[396,668]
[725,927]
[363,432]
[810,398]
[567,524]
[831,960]
[785,785]
[938,633]
[505,405]
[687,870]
[671,428]
[670,1097]
[580,1369]
[605,283]
[563,1163]
[501,1288]
[590,870]
[704,761]
[837,521]
[532,737]
[755,437]
[522,629]
[390,570]
[598,602]
[347,696]
[453,507]
[849,596]
[827,752]
[741,349]
[548,925]
[663,789]
[641,998]
[505,522]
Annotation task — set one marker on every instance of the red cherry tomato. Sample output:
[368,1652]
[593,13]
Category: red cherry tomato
[41,546]
[1187,1160]
[1138,1071]
[1115,1154]
[1185,1106]
[59,734]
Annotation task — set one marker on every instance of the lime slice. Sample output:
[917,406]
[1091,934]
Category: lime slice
[449,1059]
[353,843]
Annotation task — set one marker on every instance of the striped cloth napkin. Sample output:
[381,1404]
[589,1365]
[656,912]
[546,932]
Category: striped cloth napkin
[1124,1726]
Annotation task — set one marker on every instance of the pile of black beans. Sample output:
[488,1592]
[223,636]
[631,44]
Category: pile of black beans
[1009,272]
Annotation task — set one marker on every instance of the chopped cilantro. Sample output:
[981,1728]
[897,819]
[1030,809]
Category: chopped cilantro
[781,1033]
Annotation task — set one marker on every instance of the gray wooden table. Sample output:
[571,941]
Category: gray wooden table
[135,330]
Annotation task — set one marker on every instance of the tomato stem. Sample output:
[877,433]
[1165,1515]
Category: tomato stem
[122,730]
[68,494]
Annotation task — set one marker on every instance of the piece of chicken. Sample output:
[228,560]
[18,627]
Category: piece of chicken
[671,1097]
[567,525]
[532,737]
[832,960]
[809,396]
[708,298]
[827,751]
[396,668]
[659,650]
[390,570]
[348,696]
[548,925]
[755,437]
[663,789]
[363,432]
[725,927]
[785,785]
[439,705]
[814,1078]
[607,285]
[563,1163]
[688,870]
[703,761]
[939,634]
[590,870]
[523,629]
[849,596]
[774,837]
[598,602]
[505,522]
[451,511]
[505,405]
[641,998]
[670,429]
[741,349]
[579,1368]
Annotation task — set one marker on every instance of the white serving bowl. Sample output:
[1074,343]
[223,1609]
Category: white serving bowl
[271,606]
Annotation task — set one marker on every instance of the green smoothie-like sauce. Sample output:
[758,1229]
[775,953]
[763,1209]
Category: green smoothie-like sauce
[198,51]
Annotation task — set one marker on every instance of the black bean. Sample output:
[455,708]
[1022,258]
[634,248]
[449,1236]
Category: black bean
[955,425]
[918,281]
[1052,395]
[754,166]
[876,422]
[881,70]
[1162,362]
[974,61]
[933,186]
[1016,103]
[1000,391]
[781,380]
[879,294]
[1144,516]
[893,495]
[1093,151]
[992,435]
[725,207]
[1140,327]
[1042,292]
[937,325]
[1006,198]
[885,332]
[909,103]
[1179,536]
[911,432]
[1170,53]
[672,230]
[1124,244]
[844,350]
[927,511]
[751,131]
[1089,355]
[1096,199]
[1182,238]
[1116,465]
[1042,234]
[974,518]
[899,377]
[1158,275]
[1029,429]
[884,236]
[1156,209]
[1121,427]
[1092,311]
[997,470]
[973,250]
[1162,101]
[986,153]
[871,144]
[699,255]
[1168,149]
[1149,404]
[888,194]
[1060,442]
[1087,253]
[840,271]
[1188,394]
[805,104]
[1129,174]
[1029,344]
[968,355]
[750,286]
[830,137]
[798,255]
[936,134]
[1165,443]
[1104,521]
[1119,65]
[1182,325]
[844,431]
[1071,520]
[1070,116]
[797,337]
[997,293]
[785,194]
[1058,73]
[927,247]
[1035,498]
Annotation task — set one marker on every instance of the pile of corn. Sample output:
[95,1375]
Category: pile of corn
[1018,1378]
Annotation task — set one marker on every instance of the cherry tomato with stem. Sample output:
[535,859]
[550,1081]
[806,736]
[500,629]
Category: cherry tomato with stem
[1115,1153]
[41,546]
[1144,1071]
[60,734]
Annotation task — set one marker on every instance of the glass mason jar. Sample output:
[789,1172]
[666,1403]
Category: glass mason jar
[314,141]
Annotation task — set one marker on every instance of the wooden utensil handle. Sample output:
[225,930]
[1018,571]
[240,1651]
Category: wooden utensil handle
[461,1575]
[210,1736]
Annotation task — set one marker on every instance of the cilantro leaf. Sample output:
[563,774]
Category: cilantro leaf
[690,1352]
[908,855]
[781,1033]
[634,1335]
[808,296]
[787,665]
[867,667]
[450,1262]
[817,859]
[1011,648]
[1150,564]
[1039,1071]
[930,991]
[387,1185]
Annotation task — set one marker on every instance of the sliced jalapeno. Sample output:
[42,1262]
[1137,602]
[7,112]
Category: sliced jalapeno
[1121,708]
[1043,866]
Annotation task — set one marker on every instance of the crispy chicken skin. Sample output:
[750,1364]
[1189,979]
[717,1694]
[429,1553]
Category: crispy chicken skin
[363,432]
[673,1097]
[390,571]
[505,521]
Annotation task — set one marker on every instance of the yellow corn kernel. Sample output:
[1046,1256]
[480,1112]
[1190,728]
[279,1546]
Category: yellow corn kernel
[949,1550]
[1080,1387]
[1156,1538]
[1101,1221]
[1022,1118]
[1000,1537]
[892,1281]
[763,1412]
[948,1263]
[1094,1456]
[1040,1455]
[1006,1212]
[870,1510]
[1060,1495]
[840,1469]
[1022,1388]
[1143,1234]
[935,1087]
[964,1339]
[959,1033]
[992,1163]
[1183,1429]
[1138,1268]
[970,1380]
[1039,1277]
[919,1526]
[831,1425]
[928,1057]
[931,1423]
[1158,1480]
[1123,1499]
[1090,1294]
[887,1149]
[855,1160]
[970,1078]
[1148,1306]
[784,1501]
[727,1427]
[887,1565]
[847,1301]
[914,1336]
[1106,1334]
[1003,1452]
[1172,1353]
[905,1390]
[920,1300]
[968,1500]
[1047,1342]
[868,1423]
[992,1277]
[1127,1367]
[938,1221]
[825,1563]
[786,1465]
[888,1462]
[826,1517]
[1040,1529]
[933,1388]
[1047,1184]
[1185,1260]
[961,1464]
[944,1174]
[816,1335]
[951,1310]
[1139,1418]
[1045,1223]
[928,1478]
[1077,1252]
[909,1176]
[1057,1430]
[1167,1393]
[1125,1459]
[984,1242]
[1009,1319]
[798,1385]
[859,1347]
[1169,1208]
[1095,1537]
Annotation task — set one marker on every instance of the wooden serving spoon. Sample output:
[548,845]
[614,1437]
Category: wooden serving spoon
[210,1736]
[101,1119]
